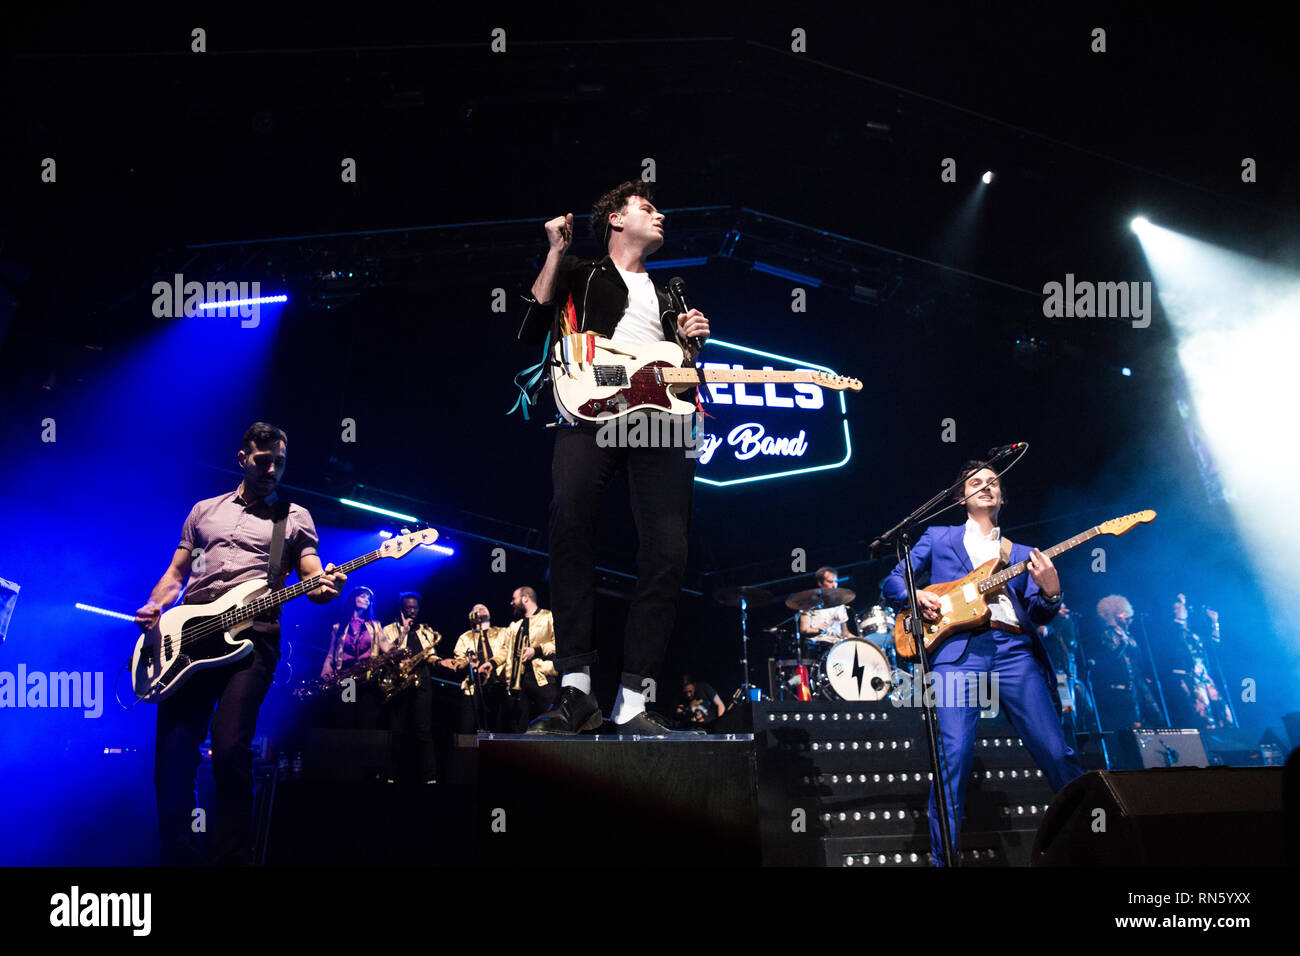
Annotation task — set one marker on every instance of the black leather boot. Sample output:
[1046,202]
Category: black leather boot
[574,713]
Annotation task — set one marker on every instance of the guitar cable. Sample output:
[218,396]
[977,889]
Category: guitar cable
[118,680]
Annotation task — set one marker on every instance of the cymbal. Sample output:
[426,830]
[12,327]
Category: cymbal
[819,598]
[753,597]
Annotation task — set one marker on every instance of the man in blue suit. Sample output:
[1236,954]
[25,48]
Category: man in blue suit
[1007,651]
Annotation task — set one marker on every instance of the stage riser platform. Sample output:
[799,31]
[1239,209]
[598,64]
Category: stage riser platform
[837,765]
[610,801]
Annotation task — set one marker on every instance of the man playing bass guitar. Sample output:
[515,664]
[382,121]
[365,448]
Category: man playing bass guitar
[225,541]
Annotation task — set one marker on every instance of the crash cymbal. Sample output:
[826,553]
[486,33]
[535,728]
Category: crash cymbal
[753,597]
[819,598]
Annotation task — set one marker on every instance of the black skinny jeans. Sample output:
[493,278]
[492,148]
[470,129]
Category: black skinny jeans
[660,482]
[236,690]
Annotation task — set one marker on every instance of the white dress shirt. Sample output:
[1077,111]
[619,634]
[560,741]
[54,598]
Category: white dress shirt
[981,547]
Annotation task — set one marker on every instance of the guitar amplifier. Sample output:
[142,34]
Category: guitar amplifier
[1166,748]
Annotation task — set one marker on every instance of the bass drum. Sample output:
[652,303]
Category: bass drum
[854,670]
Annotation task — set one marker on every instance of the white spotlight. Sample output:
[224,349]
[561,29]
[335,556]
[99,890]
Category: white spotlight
[1139,223]
[987,177]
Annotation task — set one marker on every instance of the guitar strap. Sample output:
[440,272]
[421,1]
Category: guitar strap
[1004,549]
[280,510]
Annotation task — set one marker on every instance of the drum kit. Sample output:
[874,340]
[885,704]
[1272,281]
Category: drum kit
[823,659]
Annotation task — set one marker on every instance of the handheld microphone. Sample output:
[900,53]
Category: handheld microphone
[677,290]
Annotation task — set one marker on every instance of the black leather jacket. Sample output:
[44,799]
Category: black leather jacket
[599,298]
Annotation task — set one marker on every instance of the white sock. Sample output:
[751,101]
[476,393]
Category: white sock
[627,705]
[581,679]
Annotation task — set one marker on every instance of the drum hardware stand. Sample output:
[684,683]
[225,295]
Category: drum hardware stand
[743,598]
[744,643]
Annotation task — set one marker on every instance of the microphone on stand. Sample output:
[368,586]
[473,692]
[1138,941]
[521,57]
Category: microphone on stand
[999,452]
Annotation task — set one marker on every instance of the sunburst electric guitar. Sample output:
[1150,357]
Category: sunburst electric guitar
[963,605]
[189,638]
[596,380]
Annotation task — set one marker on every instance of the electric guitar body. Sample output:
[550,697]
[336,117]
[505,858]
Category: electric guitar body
[963,604]
[188,639]
[962,607]
[596,380]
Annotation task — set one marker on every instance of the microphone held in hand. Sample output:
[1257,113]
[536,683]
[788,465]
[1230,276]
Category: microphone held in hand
[677,289]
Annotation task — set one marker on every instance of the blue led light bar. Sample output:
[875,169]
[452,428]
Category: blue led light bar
[786,274]
[677,263]
[379,511]
[231,303]
[103,611]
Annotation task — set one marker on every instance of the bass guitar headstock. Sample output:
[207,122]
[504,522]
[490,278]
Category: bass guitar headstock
[400,547]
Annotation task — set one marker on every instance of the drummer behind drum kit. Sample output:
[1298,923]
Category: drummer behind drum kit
[829,664]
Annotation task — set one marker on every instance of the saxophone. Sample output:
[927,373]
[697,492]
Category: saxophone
[381,670]
[407,673]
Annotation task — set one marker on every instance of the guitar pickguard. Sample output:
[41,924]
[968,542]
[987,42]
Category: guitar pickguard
[642,389]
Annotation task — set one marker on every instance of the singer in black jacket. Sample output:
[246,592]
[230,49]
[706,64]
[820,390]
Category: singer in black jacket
[615,298]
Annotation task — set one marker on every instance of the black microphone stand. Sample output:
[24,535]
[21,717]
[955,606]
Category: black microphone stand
[1155,672]
[898,535]
[480,646]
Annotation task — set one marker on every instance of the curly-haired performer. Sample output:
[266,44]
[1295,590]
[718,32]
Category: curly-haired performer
[1122,684]
[1007,651]
[613,297]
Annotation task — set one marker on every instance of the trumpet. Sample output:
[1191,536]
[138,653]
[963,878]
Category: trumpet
[516,650]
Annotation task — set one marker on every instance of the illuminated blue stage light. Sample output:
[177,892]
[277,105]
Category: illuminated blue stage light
[677,263]
[232,303]
[379,511]
[385,534]
[104,611]
[441,549]
[1126,371]
[786,274]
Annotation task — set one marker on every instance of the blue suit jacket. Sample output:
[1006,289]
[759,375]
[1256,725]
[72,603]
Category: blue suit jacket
[940,556]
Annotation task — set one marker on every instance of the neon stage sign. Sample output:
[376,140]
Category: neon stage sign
[776,430]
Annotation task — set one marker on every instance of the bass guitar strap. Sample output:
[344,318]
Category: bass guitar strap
[1004,549]
[281,516]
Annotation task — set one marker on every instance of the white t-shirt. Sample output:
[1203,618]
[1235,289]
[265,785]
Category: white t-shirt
[640,322]
[829,621]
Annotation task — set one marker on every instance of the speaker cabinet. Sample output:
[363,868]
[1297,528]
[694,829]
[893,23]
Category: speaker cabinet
[1217,816]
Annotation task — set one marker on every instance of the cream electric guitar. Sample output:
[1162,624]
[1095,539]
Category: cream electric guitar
[192,637]
[596,380]
[963,604]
